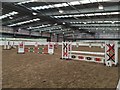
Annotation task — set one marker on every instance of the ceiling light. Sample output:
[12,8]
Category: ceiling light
[55,24]
[30,27]
[70,15]
[84,22]
[117,29]
[90,14]
[65,4]
[105,13]
[44,7]
[61,11]
[10,17]
[100,6]
[19,29]
[103,31]
[50,6]
[100,21]
[63,22]
[74,3]
[34,13]
[112,22]
[115,12]
[92,1]
[107,21]
[97,14]
[58,5]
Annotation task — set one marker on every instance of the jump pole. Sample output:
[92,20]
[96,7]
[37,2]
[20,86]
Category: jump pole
[110,56]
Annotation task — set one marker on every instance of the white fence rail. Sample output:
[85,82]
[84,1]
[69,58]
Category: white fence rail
[59,43]
[85,52]
[29,43]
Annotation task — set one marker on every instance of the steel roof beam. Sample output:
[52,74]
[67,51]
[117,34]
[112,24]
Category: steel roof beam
[97,25]
[88,10]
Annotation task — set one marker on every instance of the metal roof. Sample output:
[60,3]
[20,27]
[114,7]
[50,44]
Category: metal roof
[59,17]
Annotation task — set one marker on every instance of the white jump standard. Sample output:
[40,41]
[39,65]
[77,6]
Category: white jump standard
[21,48]
[66,47]
[8,45]
[109,57]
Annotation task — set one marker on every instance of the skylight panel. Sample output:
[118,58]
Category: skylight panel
[45,7]
[85,1]
[50,6]
[92,1]
[65,4]
[9,14]
[39,26]
[91,14]
[66,16]
[104,13]
[76,15]
[97,14]
[58,5]
[61,5]
[80,15]
[24,22]
[25,2]
[115,12]
[6,15]
[35,8]
[70,15]
[74,3]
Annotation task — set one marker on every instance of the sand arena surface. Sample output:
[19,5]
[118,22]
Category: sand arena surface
[32,70]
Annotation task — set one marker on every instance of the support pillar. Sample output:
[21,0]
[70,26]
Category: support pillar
[57,37]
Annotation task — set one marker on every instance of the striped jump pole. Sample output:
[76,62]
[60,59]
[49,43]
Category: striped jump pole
[109,57]
[47,49]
